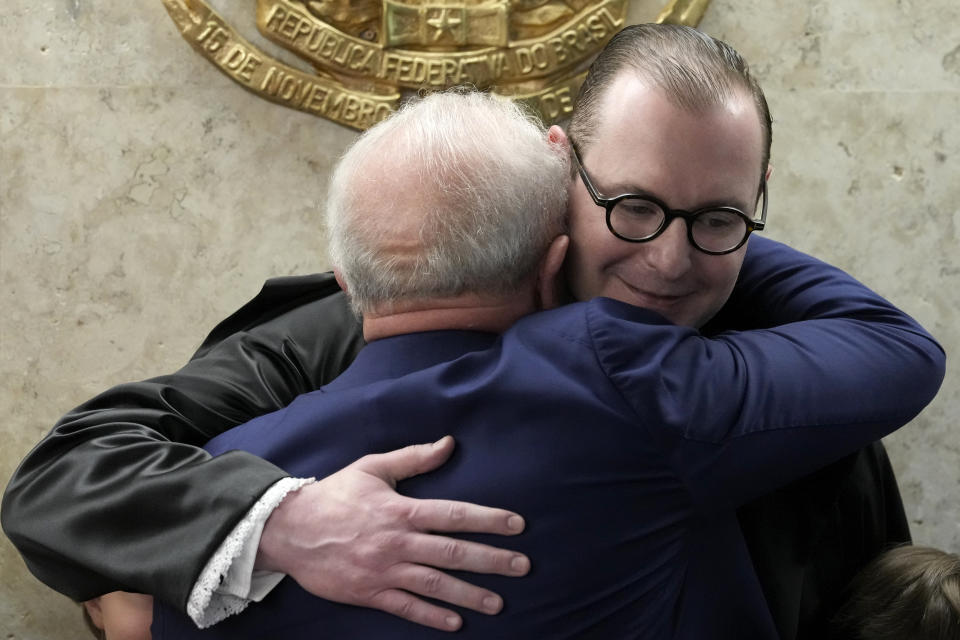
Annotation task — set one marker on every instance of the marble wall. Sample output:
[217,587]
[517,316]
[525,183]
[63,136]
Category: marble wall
[143,196]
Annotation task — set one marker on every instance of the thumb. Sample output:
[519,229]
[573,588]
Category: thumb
[410,461]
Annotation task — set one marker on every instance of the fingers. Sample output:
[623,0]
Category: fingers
[409,607]
[440,586]
[437,515]
[415,579]
[409,461]
[451,553]
[450,515]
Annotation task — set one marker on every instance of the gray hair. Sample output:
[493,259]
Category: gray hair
[488,189]
[695,71]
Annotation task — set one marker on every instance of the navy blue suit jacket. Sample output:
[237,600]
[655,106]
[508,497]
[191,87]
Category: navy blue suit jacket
[625,441]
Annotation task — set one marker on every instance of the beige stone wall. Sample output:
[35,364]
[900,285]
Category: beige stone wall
[143,196]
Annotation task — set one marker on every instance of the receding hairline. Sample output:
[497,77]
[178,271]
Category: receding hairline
[693,68]
[734,100]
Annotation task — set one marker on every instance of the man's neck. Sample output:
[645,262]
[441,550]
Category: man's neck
[466,313]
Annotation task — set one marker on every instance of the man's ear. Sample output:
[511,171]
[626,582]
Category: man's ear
[339,278]
[549,282]
[558,137]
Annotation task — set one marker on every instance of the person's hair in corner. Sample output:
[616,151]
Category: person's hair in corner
[479,170]
[906,593]
[695,71]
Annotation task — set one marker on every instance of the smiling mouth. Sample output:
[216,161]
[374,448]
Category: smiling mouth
[648,298]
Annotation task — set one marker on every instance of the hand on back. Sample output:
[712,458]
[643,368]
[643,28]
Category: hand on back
[352,538]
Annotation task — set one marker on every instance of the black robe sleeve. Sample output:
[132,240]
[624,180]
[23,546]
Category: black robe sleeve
[119,496]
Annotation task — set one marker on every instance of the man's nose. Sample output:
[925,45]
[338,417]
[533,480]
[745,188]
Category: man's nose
[670,253]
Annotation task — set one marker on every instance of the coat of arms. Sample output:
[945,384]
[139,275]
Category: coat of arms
[360,57]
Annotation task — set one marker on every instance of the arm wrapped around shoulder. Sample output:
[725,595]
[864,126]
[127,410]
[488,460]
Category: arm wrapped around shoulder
[119,496]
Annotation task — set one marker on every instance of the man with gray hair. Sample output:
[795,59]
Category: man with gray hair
[560,415]
[466,212]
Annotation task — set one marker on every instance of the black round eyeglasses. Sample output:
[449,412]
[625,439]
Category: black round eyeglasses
[641,218]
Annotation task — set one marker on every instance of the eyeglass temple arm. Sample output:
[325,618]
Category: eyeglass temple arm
[758,225]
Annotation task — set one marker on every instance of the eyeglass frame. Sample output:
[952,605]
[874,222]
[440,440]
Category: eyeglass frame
[669,215]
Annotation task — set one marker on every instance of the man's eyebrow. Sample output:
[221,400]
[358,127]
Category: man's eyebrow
[730,202]
[624,188]
[630,189]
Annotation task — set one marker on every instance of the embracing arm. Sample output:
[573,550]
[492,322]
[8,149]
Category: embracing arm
[778,285]
[808,538]
[744,412]
[119,496]
[811,536]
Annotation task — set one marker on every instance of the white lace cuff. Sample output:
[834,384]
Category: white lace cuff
[228,582]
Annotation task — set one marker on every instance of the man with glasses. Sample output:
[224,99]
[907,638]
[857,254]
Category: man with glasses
[690,146]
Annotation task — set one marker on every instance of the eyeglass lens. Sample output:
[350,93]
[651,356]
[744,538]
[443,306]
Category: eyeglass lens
[712,230]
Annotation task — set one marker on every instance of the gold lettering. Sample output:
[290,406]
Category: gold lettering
[355,110]
[366,110]
[368,62]
[334,105]
[318,96]
[279,83]
[356,58]
[556,104]
[611,21]
[450,71]
[558,49]
[382,112]
[289,26]
[351,108]
[300,93]
[418,70]
[246,73]
[329,47]
[471,70]
[525,62]
[389,65]
[208,29]
[435,73]
[268,85]
[304,29]
[597,27]
[235,59]
[586,34]
[276,17]
[481,70]
[213,37]
[241,63]
[325,46]
[503,65]
[405,69]
[566,47]
[341,54]
[540,57]
[316,39]
[289,87]
[321,42]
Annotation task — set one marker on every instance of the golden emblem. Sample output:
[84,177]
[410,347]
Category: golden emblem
[366,54]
